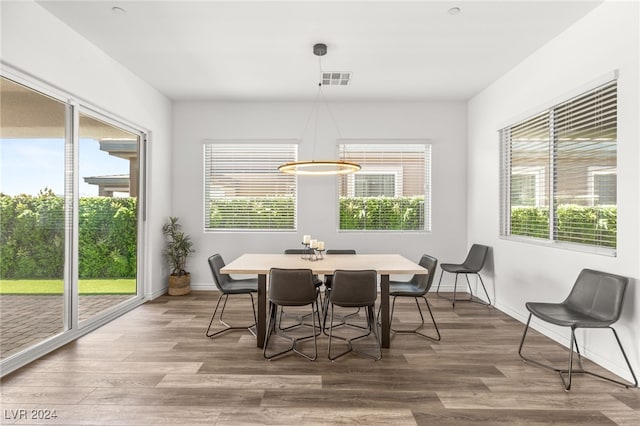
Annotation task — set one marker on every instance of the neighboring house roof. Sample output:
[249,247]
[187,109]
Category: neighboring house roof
[122,148]
[108,179]
[109,183]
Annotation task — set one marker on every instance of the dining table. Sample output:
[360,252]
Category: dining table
[383,264]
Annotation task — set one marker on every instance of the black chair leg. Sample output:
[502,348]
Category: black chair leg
[570,371]
[471,298]
[439,282]
[372,329]
[272,327]
[301,318]
[626,359]
[437,339]
[228,327]
[475,299]
[417,329]
[342,319]
[455,288]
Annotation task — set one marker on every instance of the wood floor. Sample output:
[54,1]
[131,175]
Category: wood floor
[155,366]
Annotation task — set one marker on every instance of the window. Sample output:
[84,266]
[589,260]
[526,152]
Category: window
[243,189]
[392,190]
[602,185]
[527,185]
[376,182]
[558,172]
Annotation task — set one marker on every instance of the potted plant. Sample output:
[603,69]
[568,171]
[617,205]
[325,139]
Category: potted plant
[179,246]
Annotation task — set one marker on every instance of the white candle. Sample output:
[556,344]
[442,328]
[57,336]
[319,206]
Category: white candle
[313,243]
[320,245]
[306,239]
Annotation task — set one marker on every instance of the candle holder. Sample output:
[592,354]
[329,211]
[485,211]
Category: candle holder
[306,252]
[315,254]
[311,254]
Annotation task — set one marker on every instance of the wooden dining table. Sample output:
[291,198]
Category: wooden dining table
[383,264]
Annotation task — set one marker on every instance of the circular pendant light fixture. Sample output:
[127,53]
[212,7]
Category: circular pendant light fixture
[317,167]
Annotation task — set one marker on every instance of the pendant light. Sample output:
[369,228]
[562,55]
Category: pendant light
[317,167]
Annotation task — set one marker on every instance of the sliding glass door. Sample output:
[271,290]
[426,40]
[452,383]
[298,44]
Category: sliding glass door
[32,228]
[107,223]
[69,222]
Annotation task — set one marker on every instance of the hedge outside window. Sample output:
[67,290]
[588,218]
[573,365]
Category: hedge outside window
[392,190]
[243,189]
[563,161]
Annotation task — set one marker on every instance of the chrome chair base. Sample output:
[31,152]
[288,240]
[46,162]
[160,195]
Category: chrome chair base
[471,298]
[228,327]
[570,371]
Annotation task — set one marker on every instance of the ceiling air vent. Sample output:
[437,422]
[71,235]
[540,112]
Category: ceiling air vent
[336,78]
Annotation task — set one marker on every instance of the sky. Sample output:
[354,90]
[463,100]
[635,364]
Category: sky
[30,165]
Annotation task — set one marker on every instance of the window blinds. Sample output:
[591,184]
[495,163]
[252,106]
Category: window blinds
[392,190]
[244,189]
[527,172]
[558,172]
[585,135]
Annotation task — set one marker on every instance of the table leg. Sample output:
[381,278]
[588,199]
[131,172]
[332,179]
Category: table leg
[261,327]
[384,307]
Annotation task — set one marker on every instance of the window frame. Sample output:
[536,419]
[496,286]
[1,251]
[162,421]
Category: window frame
[551,184]
[347,151]
[261,146]
[74,327]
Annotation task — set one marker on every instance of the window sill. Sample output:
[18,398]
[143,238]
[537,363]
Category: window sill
[601,251]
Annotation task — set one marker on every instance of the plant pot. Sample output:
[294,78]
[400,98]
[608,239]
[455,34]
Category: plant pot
[179,285]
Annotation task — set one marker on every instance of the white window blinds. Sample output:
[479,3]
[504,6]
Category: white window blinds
[558,176]
[392,190]
[243,189]
[528,154]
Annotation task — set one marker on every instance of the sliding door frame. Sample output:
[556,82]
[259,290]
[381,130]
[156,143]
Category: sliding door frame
[73,328]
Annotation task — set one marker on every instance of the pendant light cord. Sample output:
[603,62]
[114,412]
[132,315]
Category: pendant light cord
[326,105]
[313,167]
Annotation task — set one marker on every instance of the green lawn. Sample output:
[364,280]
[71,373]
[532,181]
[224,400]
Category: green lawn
[108,286]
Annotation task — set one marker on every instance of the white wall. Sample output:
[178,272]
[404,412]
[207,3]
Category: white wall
[443,123]
[38,44]
[603,41]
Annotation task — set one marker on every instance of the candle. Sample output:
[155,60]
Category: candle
[320,245]
[306,239]
[313,243]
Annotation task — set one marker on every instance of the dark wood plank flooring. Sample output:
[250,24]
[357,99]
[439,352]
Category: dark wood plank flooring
[155,366]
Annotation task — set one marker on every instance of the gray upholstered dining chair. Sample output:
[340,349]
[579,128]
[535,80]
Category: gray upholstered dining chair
[300,320]
[355,289]
[291,287]
[595,301]
[328,280]
[417,287]
[473,264]
[316,280]
[230,286]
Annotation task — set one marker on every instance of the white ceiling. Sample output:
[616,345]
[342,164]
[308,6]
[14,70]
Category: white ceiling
[241,50]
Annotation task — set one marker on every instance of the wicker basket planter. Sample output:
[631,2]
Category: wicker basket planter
[179,285]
